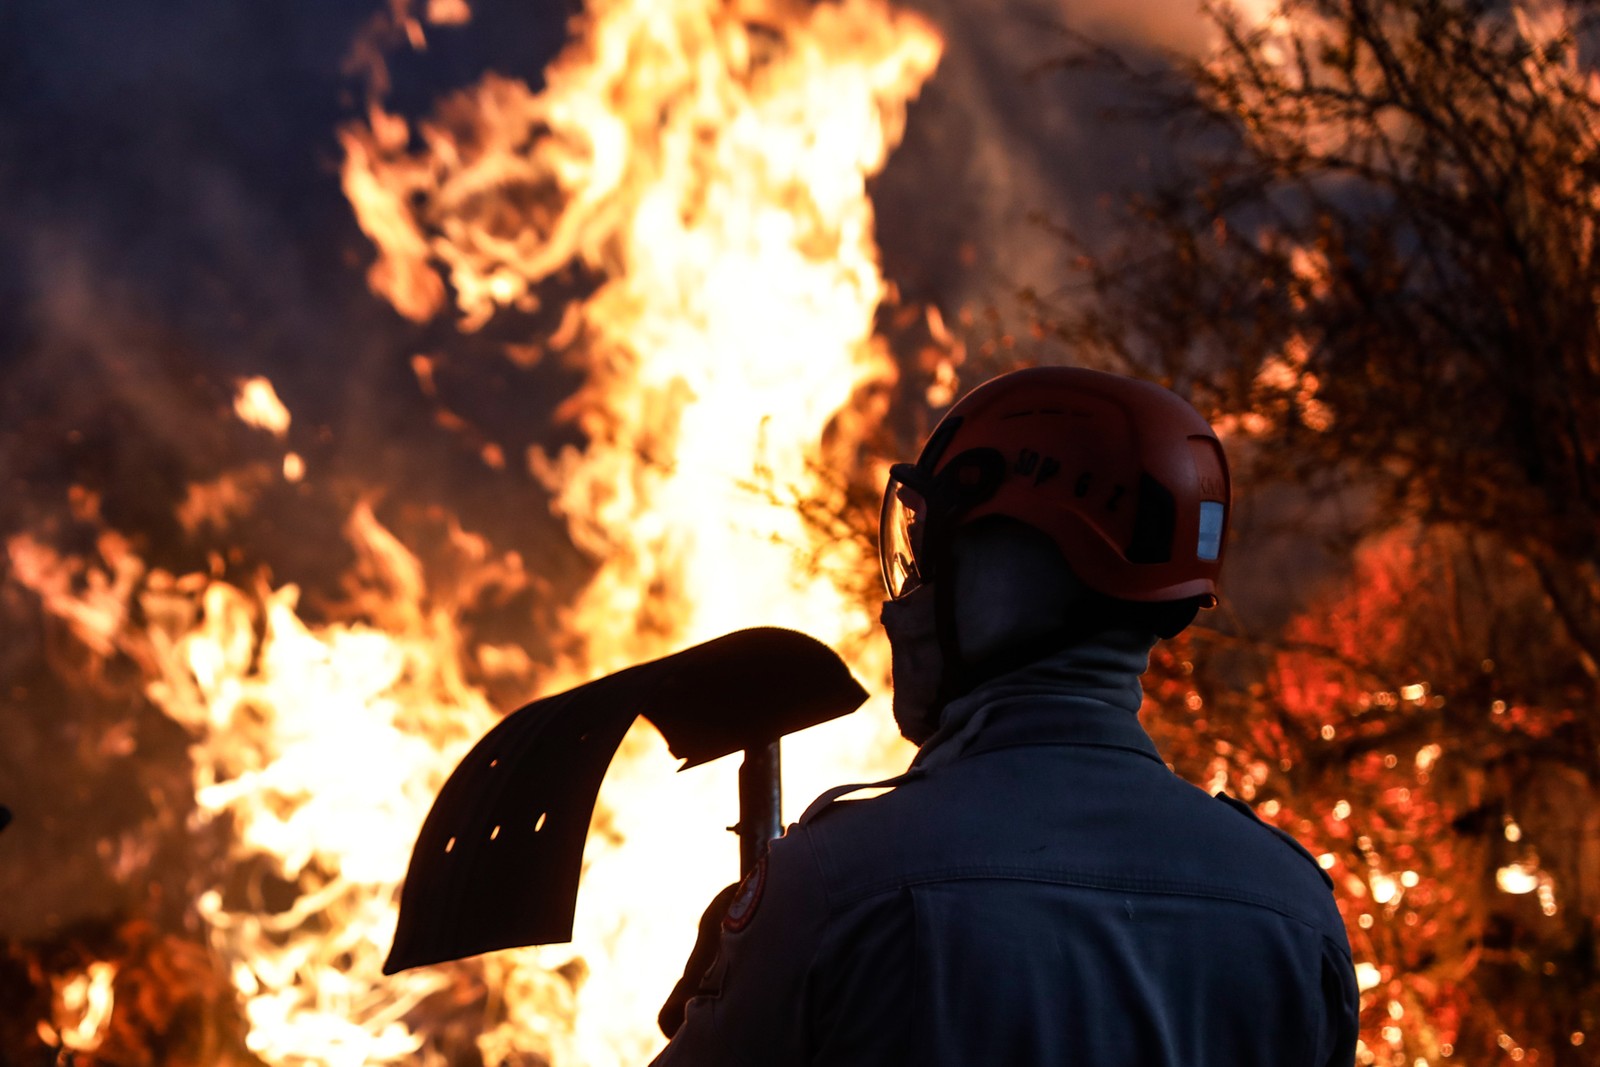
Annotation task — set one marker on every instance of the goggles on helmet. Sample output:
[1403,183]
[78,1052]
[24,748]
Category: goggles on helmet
[918,505]
[901,527]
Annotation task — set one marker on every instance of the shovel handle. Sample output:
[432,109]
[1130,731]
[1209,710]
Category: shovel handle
[760,803]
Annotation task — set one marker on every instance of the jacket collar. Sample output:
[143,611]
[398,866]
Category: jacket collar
[1096,680]
[1061,720]
[1081,696]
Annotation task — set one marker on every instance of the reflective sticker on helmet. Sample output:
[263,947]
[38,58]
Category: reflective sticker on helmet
[1210,546]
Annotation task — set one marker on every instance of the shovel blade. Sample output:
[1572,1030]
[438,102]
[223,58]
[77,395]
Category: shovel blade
[497,862]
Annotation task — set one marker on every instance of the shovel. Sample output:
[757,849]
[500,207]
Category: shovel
[496,864]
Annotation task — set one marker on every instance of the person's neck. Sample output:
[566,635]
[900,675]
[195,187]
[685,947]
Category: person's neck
[1105,667]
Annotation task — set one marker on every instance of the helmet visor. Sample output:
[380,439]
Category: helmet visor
[900,532]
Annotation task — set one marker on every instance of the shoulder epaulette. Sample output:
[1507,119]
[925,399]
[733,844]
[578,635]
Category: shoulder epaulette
[1240,806]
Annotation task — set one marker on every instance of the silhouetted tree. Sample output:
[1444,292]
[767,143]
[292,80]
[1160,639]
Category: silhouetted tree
[1374,265]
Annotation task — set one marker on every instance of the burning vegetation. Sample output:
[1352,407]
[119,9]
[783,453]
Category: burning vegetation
[243,673]
[1379,271]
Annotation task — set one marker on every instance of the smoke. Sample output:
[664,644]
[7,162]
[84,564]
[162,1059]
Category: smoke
[999,145]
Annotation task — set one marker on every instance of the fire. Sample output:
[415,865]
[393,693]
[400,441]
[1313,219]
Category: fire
[323,747]
[83,1008]
[708,162]
[93,601]
[257,403]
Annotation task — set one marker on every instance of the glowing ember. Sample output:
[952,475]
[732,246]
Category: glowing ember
[1517,878]
[83,1007]
[1385,888]
[257,403]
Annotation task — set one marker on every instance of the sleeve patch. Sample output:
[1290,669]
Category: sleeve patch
[743,906]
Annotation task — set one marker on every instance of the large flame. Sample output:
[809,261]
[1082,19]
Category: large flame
[325,748]
[708,163]
[705,164]
[321,749]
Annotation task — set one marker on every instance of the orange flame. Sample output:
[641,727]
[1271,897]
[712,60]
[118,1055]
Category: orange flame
[82,1009]
[324,747]
[257,404]
[709,162]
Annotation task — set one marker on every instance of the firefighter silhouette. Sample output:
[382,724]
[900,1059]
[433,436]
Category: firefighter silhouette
[1038,888]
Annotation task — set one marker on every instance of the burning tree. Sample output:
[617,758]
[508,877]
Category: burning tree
[1374,265]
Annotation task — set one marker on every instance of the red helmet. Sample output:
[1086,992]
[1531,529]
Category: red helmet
[1126,477]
